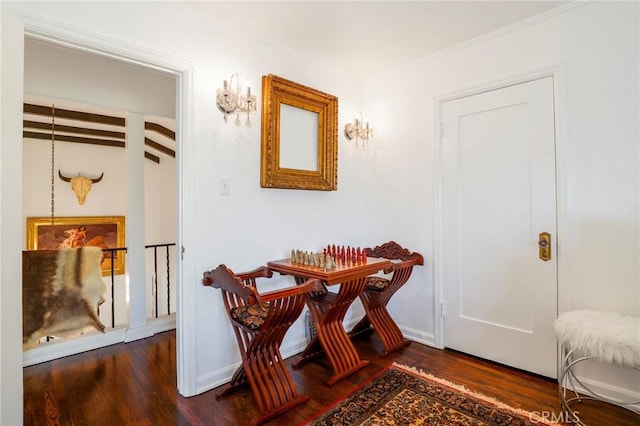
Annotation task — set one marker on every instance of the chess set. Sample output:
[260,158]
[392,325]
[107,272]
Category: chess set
[330,257]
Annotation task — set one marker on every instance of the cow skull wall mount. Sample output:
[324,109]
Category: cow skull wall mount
[80,185]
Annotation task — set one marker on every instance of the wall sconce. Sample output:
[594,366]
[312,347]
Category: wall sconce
[359,130]
[231,100]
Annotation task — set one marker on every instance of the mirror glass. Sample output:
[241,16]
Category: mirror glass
[299,136]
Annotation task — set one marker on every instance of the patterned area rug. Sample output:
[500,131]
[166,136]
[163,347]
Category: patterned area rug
[401,395]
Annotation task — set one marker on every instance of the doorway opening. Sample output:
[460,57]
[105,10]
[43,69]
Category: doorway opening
[152,216]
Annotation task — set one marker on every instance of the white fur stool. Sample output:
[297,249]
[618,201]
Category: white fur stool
[603,336]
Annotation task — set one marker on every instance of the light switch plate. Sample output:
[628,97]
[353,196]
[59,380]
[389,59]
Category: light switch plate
[225,186]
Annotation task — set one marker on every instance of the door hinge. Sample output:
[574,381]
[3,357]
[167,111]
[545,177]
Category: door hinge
[441,129]
[442,310]
[182,252]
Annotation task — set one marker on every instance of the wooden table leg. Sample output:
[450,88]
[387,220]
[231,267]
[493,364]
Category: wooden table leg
[377,316]
[383,324]
[328,312]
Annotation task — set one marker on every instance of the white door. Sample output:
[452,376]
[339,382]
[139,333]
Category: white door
[499,194]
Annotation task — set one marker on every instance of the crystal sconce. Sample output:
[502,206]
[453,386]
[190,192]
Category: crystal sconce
[360,129]
[232,100]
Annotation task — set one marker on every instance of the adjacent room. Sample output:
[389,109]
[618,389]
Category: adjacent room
[298,204]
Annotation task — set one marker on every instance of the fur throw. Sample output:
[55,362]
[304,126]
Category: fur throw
[606,336]
[61,292]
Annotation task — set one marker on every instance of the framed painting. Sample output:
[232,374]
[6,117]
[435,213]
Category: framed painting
[70,232]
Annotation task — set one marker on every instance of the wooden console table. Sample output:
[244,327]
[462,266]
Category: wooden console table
[328,310]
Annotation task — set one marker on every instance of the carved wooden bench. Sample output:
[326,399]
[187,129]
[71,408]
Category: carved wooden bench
[260,322]
[378,292]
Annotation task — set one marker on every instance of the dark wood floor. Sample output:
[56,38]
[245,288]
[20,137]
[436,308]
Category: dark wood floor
[135,384]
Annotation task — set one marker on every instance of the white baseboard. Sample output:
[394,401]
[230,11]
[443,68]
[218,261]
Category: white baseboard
[137,333]
[60,348]
[419,336]
[408,332]
[223,375]
[216,378]
[65,347]
[293,348]
[609,391]
[163,323]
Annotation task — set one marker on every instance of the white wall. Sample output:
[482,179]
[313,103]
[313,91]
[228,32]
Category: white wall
[105,197]
[160,225]
[597,49]
[96,80]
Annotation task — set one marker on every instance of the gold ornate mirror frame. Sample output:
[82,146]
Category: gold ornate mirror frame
[276,93]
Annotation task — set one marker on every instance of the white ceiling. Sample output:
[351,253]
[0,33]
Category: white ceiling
[365,34]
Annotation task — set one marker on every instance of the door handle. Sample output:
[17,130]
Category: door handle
[544,246]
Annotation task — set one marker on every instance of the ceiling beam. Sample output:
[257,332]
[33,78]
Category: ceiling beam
[74,139]
[155,145]
[44,130]
[160,129]
[74,115]
[72,129]
[152,157]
